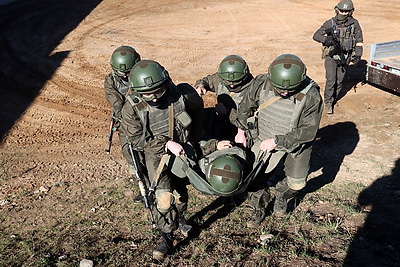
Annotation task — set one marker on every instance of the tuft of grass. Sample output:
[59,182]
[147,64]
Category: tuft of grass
[3,173]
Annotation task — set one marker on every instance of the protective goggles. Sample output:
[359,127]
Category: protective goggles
[283,92]
[232,84]
[121,73]
[154,95]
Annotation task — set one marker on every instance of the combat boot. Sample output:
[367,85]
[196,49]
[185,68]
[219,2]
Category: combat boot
[229,202]
[184,227]
[281,201]
[138,199]
[256,218]
[164,247]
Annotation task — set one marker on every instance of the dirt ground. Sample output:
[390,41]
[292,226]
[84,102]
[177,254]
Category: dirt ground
[54,56]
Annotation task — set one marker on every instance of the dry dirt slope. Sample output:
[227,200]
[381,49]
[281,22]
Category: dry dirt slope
[54,56]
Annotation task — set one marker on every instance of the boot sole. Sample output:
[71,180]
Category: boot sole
[158,255]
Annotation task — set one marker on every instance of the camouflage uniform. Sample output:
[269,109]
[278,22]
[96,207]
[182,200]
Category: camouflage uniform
[293,123]
[218,122]
[350,37]
[116,88]
[171,193]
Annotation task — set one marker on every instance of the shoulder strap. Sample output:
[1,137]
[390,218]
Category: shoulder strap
[171,120]
[265,86]
[267,103]
[139,107]
[299,96]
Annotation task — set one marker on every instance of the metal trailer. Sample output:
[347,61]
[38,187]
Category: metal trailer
[383,68]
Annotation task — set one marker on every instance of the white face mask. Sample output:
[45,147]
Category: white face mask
[342,15]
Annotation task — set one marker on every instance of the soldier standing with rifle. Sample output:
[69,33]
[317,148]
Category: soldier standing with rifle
[157,119]
[342,41]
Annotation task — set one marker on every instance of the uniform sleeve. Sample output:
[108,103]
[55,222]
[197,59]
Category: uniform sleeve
[113,97]
[249,102]
[320,34]
[358,38]
[131,125]
[210,82]
[307,124]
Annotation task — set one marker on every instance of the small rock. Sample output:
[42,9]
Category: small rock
[265,238]
[86,263]
[44,189]
[63,257]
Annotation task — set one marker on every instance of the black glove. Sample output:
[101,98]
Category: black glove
[356,60]
[329,41]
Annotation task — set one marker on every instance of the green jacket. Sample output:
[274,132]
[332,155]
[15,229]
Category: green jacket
[115,89]
[305,123]
[350,35]
[133,126]
[215,84]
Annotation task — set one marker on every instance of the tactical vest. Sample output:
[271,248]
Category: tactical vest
[346,39]
[155,121]
[346,36]
[279,118]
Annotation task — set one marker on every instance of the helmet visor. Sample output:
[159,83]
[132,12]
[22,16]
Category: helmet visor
[343,10]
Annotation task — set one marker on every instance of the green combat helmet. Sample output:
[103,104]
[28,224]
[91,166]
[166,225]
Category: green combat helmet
[344,5]
[123,59]
[225,173]
[148,78]
[233,70]
[286,72]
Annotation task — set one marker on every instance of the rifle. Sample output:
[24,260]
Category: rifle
[334,32]
[110,135]
[141,182]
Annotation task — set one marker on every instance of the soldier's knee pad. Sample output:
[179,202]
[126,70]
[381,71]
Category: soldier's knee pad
[296,183]
[165,199]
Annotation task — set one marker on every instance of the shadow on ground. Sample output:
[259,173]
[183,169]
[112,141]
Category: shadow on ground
[377,243]
[30,31]
[332,144]
[355,76]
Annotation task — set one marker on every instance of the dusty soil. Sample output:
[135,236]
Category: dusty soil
[54,118]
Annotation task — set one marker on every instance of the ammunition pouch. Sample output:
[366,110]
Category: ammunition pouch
[252,130]
[325,51]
